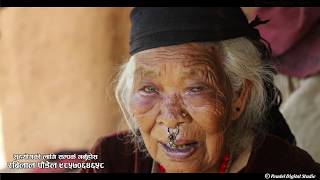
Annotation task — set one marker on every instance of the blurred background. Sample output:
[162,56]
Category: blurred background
[56,69]
[56,72]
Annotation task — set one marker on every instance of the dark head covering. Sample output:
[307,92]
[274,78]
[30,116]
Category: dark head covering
[162,26]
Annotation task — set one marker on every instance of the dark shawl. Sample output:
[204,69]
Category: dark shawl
[270,154]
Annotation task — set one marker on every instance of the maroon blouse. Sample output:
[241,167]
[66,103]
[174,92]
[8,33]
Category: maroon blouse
[270,154]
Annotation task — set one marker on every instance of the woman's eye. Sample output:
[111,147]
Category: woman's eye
[149,89]
[196,89]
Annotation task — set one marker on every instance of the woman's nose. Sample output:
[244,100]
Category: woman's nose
[173,114]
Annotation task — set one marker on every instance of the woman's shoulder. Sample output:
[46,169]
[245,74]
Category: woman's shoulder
[118,154]
[118,140]
[272,154]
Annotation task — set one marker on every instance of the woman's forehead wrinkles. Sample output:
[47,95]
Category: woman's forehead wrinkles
[146,72]
[192,51]
[199,71]
[157,59]
[188,61]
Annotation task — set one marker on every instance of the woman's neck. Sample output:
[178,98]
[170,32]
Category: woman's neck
[242,160]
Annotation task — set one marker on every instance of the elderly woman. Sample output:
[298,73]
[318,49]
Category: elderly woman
[198,96]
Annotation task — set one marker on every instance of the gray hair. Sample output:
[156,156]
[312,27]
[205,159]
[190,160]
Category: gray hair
[242,61]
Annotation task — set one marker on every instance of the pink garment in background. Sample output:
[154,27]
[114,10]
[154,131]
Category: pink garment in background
[294,35]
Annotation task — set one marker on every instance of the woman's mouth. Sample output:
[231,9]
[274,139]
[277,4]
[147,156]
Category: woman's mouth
[181,151]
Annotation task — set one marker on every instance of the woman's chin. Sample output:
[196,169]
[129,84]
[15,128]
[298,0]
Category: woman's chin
[181,168]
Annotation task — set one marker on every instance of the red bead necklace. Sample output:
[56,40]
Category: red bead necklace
[224,164]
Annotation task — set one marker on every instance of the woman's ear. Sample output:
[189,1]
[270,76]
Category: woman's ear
[240,99]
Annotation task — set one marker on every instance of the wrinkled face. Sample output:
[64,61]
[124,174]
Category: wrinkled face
[182,85]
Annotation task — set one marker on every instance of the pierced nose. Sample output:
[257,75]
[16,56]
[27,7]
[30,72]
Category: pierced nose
[172,135]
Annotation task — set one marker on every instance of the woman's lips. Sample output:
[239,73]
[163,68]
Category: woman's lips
[183,150]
